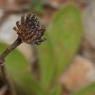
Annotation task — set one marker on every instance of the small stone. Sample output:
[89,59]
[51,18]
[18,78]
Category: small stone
[80,74]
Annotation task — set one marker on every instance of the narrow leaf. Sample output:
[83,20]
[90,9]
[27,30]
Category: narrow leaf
[18,69]
[63,36]
[65,33]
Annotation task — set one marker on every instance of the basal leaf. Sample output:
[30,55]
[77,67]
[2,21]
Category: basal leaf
[18,69]
[63,36]
[65,33]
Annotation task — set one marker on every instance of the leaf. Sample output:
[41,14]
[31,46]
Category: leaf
[89,90]
[37,5]
[65,33]
[63,36]
[56,90]
[47,63]
[18,68]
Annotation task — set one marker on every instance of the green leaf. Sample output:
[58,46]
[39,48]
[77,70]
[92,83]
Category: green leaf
[63,36]
[37,5]
[18,69]
[65,33]
[89,90]
[47,63]
[56,90]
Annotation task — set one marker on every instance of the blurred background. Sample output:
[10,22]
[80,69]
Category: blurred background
[81,71]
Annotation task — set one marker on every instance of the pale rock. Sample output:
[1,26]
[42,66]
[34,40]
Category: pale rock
[88,15]
[17,5]
[80,74]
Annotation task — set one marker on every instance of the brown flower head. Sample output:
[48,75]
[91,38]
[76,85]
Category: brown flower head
[30,30]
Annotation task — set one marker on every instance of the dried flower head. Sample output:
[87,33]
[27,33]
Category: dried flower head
[30,30]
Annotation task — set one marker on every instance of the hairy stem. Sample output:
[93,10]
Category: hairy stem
[11,48]
[2,59]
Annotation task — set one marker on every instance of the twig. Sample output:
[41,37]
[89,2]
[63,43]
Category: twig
[3,90]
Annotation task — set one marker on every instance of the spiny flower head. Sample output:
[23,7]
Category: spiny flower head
[30,30]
